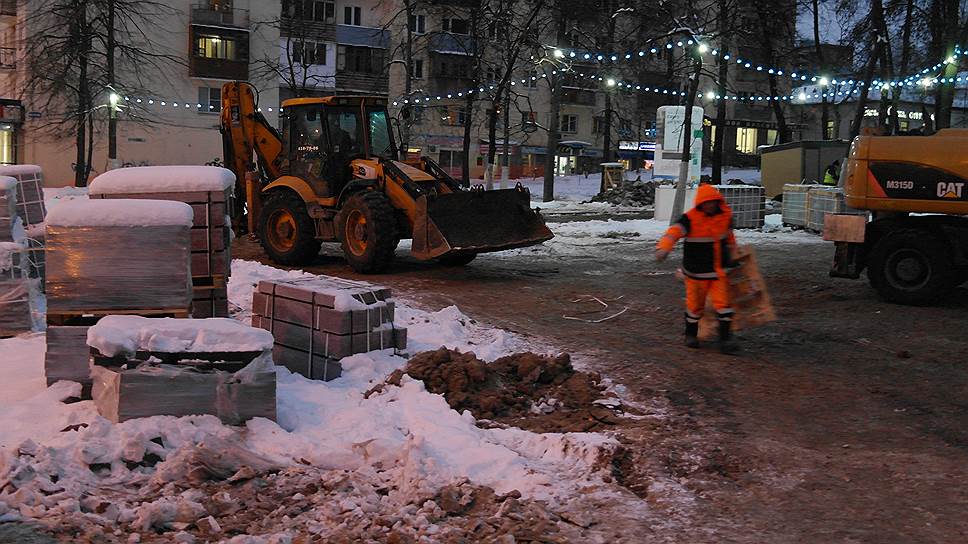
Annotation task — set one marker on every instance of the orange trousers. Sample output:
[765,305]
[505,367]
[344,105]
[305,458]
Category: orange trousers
[696,293]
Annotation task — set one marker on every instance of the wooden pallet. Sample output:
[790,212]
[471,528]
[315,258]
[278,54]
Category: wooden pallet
[208,282]
[90,317]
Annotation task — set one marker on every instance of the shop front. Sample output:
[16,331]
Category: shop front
[11,126]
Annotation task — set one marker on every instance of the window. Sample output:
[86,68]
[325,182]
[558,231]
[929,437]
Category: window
[381,145]
[359,59]
[746,140]
[215,47]
[533,79]
[416,115]
[309,53]
[492,29]
[345,132]
[772,137]
[209,100]
[453,116]
[456,26]
[418,69]
[830,131]
[598,125]
[449,160]
[528,118]
[569,124]
[322,12]
[454,67]
[490,74]
[625,127]
[352,15]
[418,24]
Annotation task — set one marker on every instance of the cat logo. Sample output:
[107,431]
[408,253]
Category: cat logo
[950,190]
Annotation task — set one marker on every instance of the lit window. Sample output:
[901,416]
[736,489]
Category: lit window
[215,47]
[746,140]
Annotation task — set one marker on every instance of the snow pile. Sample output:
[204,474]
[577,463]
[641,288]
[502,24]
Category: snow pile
[66,465]
[128,334]
[120,213]
[163,179]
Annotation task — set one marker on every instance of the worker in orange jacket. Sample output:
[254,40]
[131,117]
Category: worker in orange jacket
[707,250]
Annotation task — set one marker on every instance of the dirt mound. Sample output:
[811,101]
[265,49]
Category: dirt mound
[630,193]
[526,390]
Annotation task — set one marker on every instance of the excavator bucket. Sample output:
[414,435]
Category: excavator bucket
[476,221]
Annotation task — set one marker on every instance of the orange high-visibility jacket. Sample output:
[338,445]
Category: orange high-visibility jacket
[706,251]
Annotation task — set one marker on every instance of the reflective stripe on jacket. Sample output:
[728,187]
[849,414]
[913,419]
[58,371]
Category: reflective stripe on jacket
[708,238]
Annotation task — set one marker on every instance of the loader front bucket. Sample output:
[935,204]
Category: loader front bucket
[476,221]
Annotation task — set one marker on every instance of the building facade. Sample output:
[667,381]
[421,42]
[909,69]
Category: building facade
[174,119]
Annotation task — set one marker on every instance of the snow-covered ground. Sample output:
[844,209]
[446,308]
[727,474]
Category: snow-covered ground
[50,448]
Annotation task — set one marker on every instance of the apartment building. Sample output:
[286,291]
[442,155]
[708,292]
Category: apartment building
[174,120]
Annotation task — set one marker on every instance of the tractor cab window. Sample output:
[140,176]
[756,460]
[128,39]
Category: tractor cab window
[381,144]
[308,148]
[345,131]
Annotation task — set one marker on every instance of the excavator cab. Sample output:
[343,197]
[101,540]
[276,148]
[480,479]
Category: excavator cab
[334,175]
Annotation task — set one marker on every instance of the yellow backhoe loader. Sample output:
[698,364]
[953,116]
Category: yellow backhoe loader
[910,259]
[334,175]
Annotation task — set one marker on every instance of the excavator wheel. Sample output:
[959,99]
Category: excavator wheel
[457,259]
[910,267]
[286,232]
[367,229]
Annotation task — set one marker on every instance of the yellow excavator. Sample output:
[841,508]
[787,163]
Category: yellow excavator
[915,247]
[333,175]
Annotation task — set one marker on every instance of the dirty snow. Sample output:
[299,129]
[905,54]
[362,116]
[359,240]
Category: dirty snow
[19,169]
[120,213]
[49,447]
[162,179]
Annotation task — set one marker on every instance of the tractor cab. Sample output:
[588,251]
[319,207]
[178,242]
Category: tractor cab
[321,137]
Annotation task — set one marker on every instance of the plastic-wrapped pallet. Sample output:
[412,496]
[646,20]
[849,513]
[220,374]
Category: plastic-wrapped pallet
[30,191]
[129,255]
[748,203]
[36,254]
[9,221]
[15,291]
[67,356]
[208,190]
[824,200]
[795,204]
[317,321]
[192,377]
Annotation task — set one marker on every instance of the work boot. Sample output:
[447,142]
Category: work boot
[692,335]
[727,344]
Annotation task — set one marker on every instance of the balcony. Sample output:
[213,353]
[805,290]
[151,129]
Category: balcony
[8,58]
[580,97]
[219,53]
[218,68]
[203,14]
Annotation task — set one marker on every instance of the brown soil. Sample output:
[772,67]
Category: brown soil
[526,390]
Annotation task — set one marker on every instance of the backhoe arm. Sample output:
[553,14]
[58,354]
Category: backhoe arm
[245,132]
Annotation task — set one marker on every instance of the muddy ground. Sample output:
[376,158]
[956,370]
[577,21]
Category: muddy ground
[845,421]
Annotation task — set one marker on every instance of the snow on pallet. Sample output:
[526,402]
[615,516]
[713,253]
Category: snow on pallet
[317,321]
[144,367]
[99,265]
[209,191]
[30,192]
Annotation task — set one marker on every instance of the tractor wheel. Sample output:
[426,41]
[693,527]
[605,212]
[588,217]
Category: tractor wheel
[458,259]
[367,228]
[286,232]
[910,267]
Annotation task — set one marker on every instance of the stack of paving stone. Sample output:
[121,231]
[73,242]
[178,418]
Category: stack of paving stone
[317,321]
[109,257]
[15,291]
[143,367]
[208,190]
[32,212]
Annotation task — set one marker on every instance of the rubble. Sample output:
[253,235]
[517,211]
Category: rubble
[534,392]
[631,193]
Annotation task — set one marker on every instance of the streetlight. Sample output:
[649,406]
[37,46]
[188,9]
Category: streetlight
[610,82]
[559,54]
[703,48]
